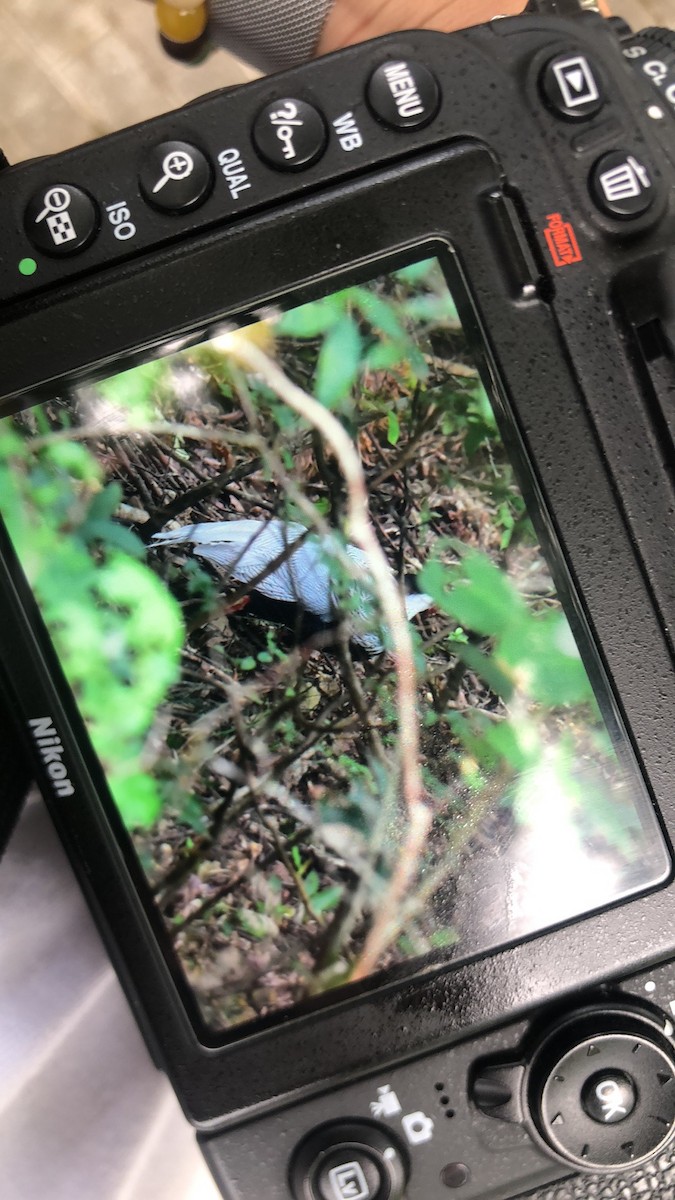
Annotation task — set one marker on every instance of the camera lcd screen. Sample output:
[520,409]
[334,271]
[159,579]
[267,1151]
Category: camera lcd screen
[238,655]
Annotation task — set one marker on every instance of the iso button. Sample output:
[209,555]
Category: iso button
[61,220]
[571,87]
[622,184]
[404,95]
[175,177]
[290,134]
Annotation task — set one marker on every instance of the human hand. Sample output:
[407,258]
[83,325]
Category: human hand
[293,31]
[351,21]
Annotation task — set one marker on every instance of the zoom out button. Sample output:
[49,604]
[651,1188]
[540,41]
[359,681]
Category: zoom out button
[61,220]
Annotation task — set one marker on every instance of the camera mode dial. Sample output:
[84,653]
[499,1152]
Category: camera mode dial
[652,53]
[346,1159]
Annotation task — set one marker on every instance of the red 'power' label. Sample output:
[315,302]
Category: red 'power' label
[562,241]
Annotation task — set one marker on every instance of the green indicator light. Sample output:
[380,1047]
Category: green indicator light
[27,266]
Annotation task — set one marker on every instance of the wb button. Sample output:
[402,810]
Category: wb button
[61,220]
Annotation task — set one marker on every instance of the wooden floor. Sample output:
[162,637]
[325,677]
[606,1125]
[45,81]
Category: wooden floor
[71,70]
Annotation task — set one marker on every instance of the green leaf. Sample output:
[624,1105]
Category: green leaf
[393,428]
[309,320]
[312,883]
[380,313]
[339,362]
[418,272]
[475,592]
[382,356]
[105,503]
[489,670]
[543,651]
[137,798]
[327,900]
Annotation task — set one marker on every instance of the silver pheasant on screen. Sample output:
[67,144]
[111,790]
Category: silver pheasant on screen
[290,572]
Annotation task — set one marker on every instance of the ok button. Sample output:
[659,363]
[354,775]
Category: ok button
[609,1097]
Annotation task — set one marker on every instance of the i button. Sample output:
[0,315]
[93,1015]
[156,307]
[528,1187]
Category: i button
[61,220]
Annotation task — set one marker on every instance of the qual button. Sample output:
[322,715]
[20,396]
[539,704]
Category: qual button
[175,177]
[290,134]
[404,95]
[61,219]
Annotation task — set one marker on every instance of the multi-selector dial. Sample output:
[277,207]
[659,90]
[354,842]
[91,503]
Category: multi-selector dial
[597,1091]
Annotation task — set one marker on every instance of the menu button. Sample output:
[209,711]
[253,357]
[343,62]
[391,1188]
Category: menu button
[404,95]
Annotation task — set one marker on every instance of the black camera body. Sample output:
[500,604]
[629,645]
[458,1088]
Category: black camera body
[539,154]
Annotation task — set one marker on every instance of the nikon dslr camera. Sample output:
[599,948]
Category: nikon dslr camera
[337,587]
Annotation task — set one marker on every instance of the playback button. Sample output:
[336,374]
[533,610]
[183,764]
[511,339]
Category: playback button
[175,177]
[571,87]
[61,219]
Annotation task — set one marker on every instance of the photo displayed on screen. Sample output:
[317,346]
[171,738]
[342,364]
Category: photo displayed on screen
[333,760]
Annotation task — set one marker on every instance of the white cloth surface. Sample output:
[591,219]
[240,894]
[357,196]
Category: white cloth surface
[83,1111]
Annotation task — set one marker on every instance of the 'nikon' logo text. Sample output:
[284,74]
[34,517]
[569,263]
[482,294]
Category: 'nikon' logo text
[51,752]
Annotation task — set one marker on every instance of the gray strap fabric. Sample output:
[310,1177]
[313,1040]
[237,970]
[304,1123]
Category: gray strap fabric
[269,34]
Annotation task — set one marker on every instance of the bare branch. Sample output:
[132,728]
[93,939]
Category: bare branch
[360,531]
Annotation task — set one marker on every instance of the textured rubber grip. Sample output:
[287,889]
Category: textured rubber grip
[654,1181]
[269,34]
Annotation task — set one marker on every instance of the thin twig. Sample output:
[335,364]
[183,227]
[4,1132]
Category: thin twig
[360,531]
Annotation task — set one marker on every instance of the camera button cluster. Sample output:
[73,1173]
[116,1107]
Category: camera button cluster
[290,134]
[175,177]
[571,87]
[622,184]
[403,95]
[61,220]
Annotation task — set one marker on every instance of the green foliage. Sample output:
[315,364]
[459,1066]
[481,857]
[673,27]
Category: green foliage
[339,363]
[530,660]
[534,653]
[362,330]
[393,428]
[466,410]
[133,395]
[117,630]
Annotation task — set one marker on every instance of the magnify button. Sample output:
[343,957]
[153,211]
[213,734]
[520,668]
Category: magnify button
[175,177]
